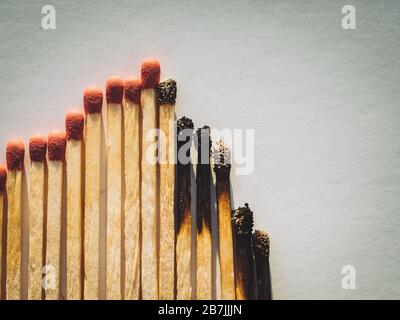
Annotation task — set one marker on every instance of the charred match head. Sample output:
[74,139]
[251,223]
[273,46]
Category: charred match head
[204,144]
[133,88]
[92,100]
[166,92]
[74,123]
[243,220]
[184,123]
[56,146]
[260,241]
[222,159]
[3,178]
[150,73]
[114,90]
[15,152]
[37,148]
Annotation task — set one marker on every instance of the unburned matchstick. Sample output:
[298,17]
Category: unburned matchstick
[132,185]
[37,207]
[74,125]
[166,92]
[184,215]
[15,153]
[261,252]
[243,225]
[3,180]
[114,94]
[150,76]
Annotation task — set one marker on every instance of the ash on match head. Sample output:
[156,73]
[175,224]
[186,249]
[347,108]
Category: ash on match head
[38,148]
[260,242]
[93,100]
[243,220]
[222,159]
[74,123]
[166,92]
[3,178]
[150,73]
[184,123]
[114,90]
[56,146]
[133,88]
[15,153]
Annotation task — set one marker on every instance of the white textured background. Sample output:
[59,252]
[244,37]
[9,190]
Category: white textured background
[324,103]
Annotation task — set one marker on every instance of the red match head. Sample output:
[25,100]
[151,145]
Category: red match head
[38,148]
[56,146]
[74,123]
[3,178]
[93,100]
[150,73]
[114,90]
[133,87]
[15,153]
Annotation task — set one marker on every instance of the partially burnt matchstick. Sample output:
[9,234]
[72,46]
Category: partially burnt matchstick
[114,93]
[132,208]
[243,225]
[261,252]
[3,180]
[74,125]
[222,169]
[150,76]
[166,93]
[204,242]
[15,163]
[93,101]
[37,207]
[184,215]
[56,155]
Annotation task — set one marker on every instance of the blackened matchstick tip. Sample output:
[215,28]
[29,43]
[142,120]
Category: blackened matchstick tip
[166,92]
[261,243]
[222,159]
[243,220]
[184,123]
[3,177]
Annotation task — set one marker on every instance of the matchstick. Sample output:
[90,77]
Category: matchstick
[37,207]
[114,93]
[150,75]
[222,170]
[132,188]
[261,253]
[56,156]
[3,181]
[74,124]
[15,153]
[93,101]
[243,225]
[204,241]
[166,92]
[184,215]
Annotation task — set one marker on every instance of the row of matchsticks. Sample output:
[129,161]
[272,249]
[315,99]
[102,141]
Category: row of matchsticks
[148,206]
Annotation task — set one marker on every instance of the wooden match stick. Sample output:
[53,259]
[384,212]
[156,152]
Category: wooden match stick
[222,170]
[184,215]
[74,125]
[261,253]
[56,155]
[114,93]
[37,207]
[243,225]
[166,92]
[3,181]
[150,75]
[15,153]
[93,101]
[132,188]
[204,241]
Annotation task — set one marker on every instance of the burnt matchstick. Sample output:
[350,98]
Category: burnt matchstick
[93,101]
[37,205]
[132,208]
[56,155]
[74,125]
[261,252]
[166,94]
[15,152]
[150,76]
[114,93]
[243,222]
[204,241]
[183,215]
[3,180]
[222,169]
